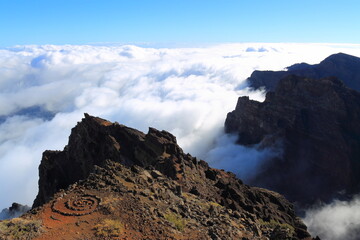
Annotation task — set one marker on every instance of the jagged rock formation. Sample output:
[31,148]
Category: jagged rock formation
[318,124]
[145,184]
[14,211]
[342,66]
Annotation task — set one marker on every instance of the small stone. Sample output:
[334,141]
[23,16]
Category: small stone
[156,174]
[147,174]
[129,180]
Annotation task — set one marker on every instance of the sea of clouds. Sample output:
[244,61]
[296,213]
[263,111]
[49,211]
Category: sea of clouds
[339,220]
[44,91]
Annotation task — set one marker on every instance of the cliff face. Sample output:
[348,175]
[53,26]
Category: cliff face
[152,189]
[342,66]
[318,124]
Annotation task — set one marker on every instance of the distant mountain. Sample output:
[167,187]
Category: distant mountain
[317,123]
[343,66]
[31,112]
[14,211]
[115,182]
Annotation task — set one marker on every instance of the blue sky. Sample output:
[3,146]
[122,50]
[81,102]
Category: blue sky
[177,21]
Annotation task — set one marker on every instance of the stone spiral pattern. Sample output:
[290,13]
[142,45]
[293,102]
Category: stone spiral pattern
[76,205]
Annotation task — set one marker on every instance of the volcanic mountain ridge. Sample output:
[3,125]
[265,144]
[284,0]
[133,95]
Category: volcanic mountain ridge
[340,65]
[317,124]
[115,182]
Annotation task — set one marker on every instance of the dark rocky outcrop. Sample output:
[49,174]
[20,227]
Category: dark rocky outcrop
[318,124]
[342,66]
[14,211]
[95,140]
[148,177]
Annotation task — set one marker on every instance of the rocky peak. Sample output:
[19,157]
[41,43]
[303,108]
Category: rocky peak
[317,121]
[14,211]
[92,142]
[148,178]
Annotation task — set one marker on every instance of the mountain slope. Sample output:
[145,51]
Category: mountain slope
[317,122]
[114,182]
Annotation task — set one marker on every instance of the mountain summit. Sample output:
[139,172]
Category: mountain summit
[340,65]
[115,182]
[317,124]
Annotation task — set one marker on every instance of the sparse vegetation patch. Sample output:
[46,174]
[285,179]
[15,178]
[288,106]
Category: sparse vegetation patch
[177,220]
[19,229]
[109,229]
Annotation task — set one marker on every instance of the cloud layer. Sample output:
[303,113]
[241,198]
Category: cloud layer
[335,221]
[244,161]
[44,91]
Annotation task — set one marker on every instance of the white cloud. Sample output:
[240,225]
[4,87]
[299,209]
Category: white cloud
[244,161]
[187,91]
[339,220]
